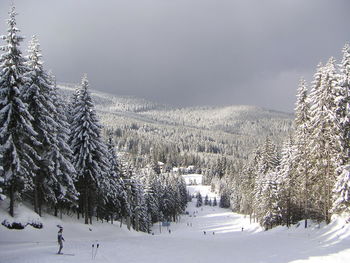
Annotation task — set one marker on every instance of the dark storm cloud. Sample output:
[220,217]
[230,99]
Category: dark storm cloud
[188,52]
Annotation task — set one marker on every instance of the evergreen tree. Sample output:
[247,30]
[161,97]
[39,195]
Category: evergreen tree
[215,203]
[343,105]
[114,188]
[206,200]
[137,205]
[224,199]
[249,175]
[199,199]
[324,144]
[72,105]
[151,200]
[302,152]
[269,160]
[37,93]
[271,212]
[288,185]
[17,136]
[341,195]
[89,151]
[62,157]
[181,186]
[154,163]
[342,192]
[168,204]
[126,198]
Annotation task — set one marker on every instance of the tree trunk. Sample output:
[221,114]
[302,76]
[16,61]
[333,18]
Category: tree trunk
[326,193]
[39,203]
[306,201]
[12,199]
[36,202]
[86,207]
[90,209]
[137,223]
[56,210]
[328,201]
[128,222]
[288,210]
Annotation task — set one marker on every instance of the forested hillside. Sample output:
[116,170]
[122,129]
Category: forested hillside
[214,139]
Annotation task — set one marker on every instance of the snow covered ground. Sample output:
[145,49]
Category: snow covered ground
[224,241]
[191,179]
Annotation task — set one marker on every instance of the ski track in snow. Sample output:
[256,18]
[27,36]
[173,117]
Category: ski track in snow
[184,243]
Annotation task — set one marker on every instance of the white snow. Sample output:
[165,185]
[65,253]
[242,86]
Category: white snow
[23,215]
[193,179]
[184,244]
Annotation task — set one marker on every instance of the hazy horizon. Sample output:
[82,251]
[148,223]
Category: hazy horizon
[187,52]
[96,92]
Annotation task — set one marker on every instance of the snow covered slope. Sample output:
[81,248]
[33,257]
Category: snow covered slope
[223,241]
[111,103]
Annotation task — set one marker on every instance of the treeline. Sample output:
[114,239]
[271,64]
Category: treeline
[53,153]
[310,177]
[214,151]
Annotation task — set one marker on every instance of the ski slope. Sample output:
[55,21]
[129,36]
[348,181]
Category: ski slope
[223,242]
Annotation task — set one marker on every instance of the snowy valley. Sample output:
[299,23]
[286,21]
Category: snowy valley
[89,176]
[228,237]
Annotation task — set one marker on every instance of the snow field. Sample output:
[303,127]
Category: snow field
[186,242]
[193,179]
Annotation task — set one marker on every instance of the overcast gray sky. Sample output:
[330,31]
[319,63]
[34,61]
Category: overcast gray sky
[187,52]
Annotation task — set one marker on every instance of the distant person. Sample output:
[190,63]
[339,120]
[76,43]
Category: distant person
[204,232]
[169,231]
[213,233]
[60,240]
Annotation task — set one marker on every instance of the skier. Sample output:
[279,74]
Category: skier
[60,240]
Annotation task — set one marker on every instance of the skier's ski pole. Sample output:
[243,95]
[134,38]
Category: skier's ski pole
[92,251]
[96,250]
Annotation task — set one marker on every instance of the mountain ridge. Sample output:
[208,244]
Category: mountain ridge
[99,96]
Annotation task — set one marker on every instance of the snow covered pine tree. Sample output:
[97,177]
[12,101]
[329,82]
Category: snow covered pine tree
[17,136]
